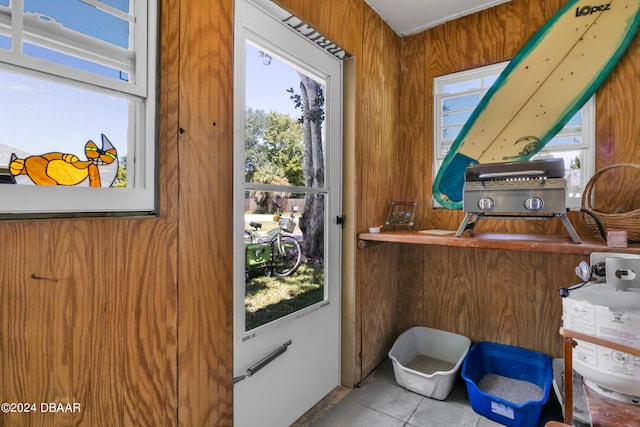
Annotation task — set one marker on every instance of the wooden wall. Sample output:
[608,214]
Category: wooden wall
[499,295]
[132,317]
[88,312]
[205,210]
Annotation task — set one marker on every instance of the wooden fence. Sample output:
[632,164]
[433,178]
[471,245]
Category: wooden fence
[286,205]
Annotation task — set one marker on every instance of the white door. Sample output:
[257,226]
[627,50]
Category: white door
[288,97]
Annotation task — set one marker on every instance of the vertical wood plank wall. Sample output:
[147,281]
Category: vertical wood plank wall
[497,295]
[132,317]
[88,306]
[205,209]
[378,130]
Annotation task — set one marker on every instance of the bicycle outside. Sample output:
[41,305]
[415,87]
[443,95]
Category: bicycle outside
[275,252]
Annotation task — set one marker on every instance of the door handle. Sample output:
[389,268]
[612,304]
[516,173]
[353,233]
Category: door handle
[253,369]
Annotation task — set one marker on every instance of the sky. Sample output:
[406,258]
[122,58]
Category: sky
[67,117]
[267,84]
[38,116]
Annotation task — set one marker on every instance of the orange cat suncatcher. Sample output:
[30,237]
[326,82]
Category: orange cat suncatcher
[58,168]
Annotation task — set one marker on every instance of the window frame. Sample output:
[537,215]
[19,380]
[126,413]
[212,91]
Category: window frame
[139,91]
[586,147]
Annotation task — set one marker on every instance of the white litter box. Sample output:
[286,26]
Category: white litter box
[426,361]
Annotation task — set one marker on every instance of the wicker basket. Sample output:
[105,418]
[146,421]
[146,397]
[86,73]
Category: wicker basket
[629,221]
[287,225]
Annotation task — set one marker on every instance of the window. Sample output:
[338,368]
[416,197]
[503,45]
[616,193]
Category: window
[455,98]
[78,102]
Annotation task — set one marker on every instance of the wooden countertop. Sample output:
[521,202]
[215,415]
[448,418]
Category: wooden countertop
[516,242]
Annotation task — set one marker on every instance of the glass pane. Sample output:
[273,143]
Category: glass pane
[449,134]
[576,120]
[84,18]
[72,61]
[5,31]
[121,5]
[284,254]
[52,134]
[456,118]
[460,102]
[74,24]
[572,163]
[282,103]
[489,81]
[461,86]
[564,140]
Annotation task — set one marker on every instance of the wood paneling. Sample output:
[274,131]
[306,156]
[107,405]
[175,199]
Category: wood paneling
[413,150]
[616,110]
[500,295]
[131,317]
[205,309]
[411,277]
[497,295]
[86,319]
[348,295]
[376,143]
[412,154]
[377,295]
[88,306]
[339,20]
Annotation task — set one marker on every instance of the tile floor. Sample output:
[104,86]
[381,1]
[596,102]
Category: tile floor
[379,402]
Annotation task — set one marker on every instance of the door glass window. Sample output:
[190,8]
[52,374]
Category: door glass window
[279,279]
[284,187]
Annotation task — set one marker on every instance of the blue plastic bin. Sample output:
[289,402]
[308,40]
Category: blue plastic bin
[511,362]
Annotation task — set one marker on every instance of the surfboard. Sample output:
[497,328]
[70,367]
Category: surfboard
[541,89]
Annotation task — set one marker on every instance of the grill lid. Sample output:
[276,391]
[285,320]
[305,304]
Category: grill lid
[525,169]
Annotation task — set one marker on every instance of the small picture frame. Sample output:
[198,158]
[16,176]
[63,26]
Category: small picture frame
[401,215]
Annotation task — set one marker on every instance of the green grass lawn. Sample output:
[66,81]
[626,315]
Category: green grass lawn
[270,298]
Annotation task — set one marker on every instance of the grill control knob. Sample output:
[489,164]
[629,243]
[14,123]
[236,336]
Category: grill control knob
[486,204]
[533,203]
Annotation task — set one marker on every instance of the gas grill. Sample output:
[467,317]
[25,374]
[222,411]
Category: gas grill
[532,189]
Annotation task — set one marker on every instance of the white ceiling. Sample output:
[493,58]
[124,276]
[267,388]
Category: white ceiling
[408,17]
